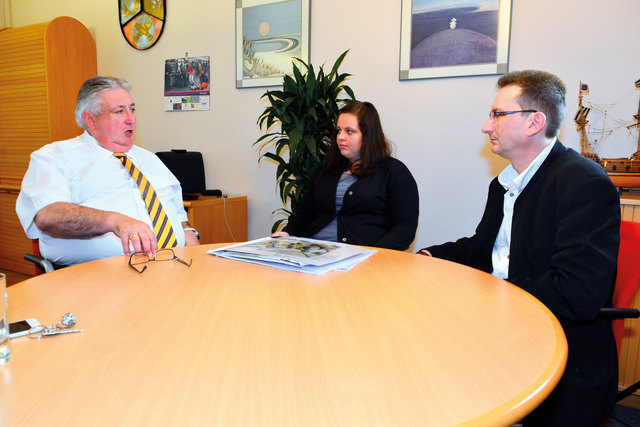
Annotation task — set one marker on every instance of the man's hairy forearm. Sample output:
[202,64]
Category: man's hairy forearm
[66,220]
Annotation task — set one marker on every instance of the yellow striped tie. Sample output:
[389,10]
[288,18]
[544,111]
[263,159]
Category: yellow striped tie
[161,226]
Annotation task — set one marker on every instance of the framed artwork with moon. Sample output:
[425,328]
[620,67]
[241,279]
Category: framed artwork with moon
[269,35]
[452,38]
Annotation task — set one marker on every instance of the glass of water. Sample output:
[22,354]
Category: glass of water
[5,350]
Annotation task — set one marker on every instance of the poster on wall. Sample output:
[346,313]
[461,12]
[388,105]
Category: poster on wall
[451,38]
[270,34]
[187,84]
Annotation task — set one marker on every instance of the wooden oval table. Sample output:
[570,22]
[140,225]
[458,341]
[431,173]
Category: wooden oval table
[401,339]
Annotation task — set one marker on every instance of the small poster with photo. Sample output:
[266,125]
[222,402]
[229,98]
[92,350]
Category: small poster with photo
[187,84]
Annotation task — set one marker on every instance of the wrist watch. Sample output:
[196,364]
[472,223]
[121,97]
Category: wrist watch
[194,230]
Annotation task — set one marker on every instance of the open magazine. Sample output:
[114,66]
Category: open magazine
[296,254]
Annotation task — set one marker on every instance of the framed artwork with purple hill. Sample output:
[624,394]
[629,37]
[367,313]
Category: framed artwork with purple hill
[454,38]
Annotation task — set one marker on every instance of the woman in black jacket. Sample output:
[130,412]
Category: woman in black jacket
[360,195]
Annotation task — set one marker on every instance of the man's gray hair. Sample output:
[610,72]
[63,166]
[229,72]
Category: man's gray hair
[89,95]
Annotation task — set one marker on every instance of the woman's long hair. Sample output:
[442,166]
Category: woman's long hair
[375,147]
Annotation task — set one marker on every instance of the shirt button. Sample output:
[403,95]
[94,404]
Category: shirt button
[351,193]
[511,194]
[344,239]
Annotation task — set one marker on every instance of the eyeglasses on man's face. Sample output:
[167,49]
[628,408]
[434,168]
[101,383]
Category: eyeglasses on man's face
[494,114]
[138,259]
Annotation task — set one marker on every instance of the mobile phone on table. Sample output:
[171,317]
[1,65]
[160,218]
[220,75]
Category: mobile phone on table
[21,327]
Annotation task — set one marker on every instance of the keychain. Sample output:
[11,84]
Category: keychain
[62,327]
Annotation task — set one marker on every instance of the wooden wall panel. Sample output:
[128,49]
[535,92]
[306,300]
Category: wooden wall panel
[629,371]
[631,213]
[630,349]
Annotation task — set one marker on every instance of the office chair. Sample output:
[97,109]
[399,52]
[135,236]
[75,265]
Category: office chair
[627,281]
[42,265]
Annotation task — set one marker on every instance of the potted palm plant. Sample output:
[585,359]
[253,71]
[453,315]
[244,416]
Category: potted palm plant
[306,109]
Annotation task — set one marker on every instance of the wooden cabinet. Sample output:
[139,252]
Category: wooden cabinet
[42,67]
[218,219]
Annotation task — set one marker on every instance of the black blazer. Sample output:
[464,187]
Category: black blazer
[564,249]
[380,209]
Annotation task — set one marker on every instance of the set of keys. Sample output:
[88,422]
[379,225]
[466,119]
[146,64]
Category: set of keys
[62,327]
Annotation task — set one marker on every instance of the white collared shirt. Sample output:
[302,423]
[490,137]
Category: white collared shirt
[514,183]
[82,172]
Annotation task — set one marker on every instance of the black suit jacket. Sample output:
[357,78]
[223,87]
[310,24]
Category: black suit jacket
[380,209]
[564,249]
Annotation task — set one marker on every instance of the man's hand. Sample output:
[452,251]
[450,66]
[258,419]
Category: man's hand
[141,236]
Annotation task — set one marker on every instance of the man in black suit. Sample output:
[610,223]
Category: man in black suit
[551,226]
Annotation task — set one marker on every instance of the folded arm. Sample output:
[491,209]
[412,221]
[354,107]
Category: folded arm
[70,221]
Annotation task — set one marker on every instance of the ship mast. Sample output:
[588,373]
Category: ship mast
[586,148]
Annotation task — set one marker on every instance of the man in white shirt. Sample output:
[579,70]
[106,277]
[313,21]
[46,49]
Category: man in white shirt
[551,227]
[78,199]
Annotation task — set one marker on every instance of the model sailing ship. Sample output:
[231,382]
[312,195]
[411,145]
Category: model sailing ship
[625,173]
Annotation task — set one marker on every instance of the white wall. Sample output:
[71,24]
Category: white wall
[435,124]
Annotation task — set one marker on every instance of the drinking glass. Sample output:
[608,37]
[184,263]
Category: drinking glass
[5,350]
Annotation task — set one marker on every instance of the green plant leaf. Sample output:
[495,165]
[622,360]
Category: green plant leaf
[349,92]
[310,142]
[274,157]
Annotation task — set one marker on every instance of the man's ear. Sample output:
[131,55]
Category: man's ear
[537,122]
[89,120]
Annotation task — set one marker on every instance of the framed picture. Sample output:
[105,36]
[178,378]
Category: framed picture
[452,38]
[269,35]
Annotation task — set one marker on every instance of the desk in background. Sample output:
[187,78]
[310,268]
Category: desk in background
[218,219]
[401,339]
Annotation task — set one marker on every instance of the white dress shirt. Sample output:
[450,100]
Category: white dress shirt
[514,183]
[82,172]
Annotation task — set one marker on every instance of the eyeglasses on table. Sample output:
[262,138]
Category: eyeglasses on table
[140,258]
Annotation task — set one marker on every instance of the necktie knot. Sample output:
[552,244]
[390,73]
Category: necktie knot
[122,157]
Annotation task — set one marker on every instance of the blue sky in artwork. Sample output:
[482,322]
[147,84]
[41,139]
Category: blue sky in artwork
[283,18]
[426,5]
